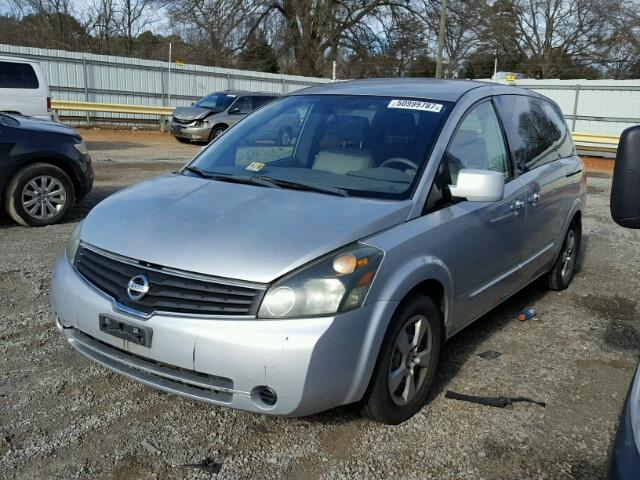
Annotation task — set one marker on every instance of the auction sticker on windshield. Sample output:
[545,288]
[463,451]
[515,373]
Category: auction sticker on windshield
[415,105]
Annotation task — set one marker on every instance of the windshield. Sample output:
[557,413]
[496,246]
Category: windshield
[359,145]
[216,101]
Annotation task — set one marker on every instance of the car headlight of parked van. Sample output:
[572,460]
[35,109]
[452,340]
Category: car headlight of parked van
[73,243]
[335,283]
[81,147]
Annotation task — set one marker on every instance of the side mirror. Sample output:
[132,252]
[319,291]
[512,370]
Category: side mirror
[478,185]
[235,110]
[625,191]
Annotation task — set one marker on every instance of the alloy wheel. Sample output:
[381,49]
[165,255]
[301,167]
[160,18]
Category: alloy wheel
[43,197]
[568,254]
[410,359]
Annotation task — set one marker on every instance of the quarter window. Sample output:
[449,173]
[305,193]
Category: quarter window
[17,75]
[477,143]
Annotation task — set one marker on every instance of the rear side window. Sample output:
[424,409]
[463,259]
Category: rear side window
[535,132]
[259,101]
[564,145]
[17,75]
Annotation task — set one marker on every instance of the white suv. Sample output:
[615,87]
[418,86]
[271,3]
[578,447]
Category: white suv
[24,88]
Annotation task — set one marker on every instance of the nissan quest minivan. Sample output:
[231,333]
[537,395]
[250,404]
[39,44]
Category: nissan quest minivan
[290,279]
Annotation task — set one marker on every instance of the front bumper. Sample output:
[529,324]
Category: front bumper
[625,459]
[189,132]
[312,364]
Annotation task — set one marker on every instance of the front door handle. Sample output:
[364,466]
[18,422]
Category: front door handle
[533,199]
[517,205]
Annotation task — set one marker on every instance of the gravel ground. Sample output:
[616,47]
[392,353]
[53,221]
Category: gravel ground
[63,417]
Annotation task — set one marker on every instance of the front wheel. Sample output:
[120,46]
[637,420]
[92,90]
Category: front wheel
[406,364]
[564,268]
[216,132]
[39,194]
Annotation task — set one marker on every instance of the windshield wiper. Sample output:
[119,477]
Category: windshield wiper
[198,171]
[227,177]
[303,186]
[265,181]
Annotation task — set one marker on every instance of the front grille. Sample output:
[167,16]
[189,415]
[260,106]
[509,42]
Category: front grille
[168,291]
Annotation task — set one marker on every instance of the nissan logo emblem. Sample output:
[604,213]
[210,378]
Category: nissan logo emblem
[138,287]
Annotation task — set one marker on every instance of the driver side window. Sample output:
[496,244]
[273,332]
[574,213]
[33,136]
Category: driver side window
[477,143]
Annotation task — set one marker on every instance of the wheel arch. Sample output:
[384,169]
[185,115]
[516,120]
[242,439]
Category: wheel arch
[427,276]
[62,164]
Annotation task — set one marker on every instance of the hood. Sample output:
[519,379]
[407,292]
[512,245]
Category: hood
[31,123]
[234,231]
[192,113]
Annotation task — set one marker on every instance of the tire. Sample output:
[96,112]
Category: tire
[216,132]
[183,140]
[564,268]
[380,403]
[28,205]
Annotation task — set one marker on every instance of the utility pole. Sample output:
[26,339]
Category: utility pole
[169,79]
[441,32]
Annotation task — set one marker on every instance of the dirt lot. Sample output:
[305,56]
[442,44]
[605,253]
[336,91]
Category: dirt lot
[63,417]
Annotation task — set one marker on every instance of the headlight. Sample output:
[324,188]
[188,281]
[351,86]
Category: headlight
[337,282]
[82,147]
[73,243]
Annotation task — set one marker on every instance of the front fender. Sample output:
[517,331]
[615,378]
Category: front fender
[400,273]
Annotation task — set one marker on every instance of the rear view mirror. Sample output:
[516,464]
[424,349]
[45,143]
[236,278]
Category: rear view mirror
[478,185]
[625,191]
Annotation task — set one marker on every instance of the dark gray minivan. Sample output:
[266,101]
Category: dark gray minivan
[289,279]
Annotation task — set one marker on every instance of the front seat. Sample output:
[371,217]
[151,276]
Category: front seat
[342,146]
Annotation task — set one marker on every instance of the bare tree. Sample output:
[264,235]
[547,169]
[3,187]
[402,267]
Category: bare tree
[132,18]
[551,31]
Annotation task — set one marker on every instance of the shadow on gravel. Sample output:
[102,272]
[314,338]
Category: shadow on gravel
[97,194]
[464,345]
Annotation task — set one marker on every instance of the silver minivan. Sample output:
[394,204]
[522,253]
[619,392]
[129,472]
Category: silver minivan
[290,279]
[208,118]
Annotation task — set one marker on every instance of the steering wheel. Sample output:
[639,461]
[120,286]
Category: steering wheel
[400,161]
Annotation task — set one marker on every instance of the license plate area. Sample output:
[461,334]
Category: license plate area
[132,333]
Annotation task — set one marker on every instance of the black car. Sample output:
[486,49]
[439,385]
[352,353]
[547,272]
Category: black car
[44,169]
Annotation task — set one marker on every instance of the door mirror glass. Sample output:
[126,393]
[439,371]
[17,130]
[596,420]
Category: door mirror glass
[477,185]
[625,191]
[234,110]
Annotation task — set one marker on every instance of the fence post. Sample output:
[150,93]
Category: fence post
[86,86]
[575,107]
[162,86]
[284,85]
[228,81]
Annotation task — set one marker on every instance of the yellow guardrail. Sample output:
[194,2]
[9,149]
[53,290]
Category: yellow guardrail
[161,112]
[109,107]
[596,142]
